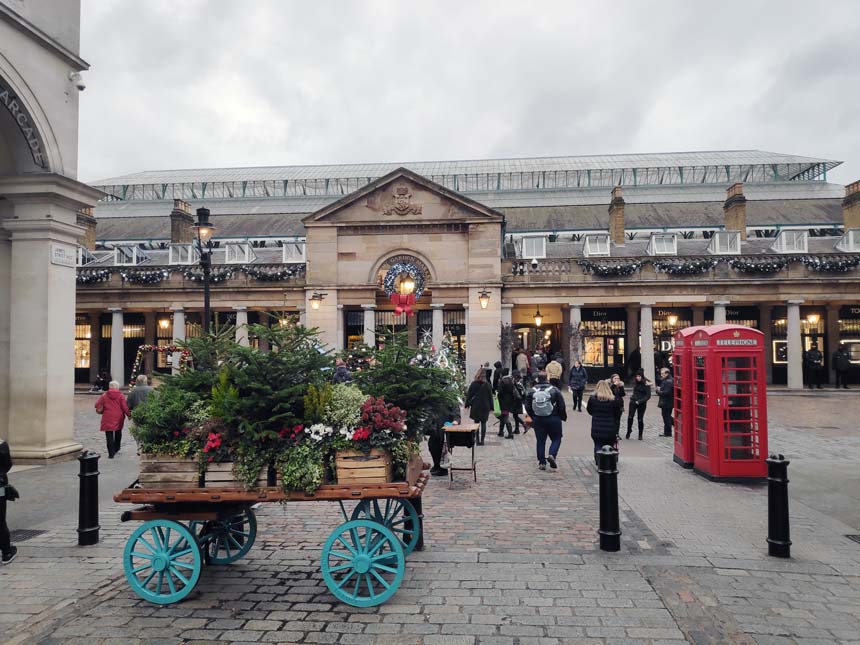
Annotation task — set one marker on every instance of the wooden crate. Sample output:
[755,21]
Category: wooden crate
[414,467]
[221,476]
[354,467]
[164,471]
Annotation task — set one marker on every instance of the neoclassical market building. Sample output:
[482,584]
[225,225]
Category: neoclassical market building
[41,205]
[595,255]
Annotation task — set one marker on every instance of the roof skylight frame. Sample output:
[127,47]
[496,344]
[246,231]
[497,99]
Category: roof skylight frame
[597,245]
[791,240]
[663,244]
[725,243]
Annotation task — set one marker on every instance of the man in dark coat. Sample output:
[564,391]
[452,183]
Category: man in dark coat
[666,401]
[7,551]
[497,375]
[814,362]
[510,404]
[841,362]
[638,402]
[436,435]
[479,402]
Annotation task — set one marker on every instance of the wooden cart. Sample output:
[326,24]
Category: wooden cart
[363,559]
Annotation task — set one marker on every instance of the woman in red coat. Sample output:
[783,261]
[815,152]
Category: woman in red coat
[113,408]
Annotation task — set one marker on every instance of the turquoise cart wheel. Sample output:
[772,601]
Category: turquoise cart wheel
[162,561]
[397,515]
[226,541]
[363,563]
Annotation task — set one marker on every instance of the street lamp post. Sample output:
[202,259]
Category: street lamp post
[204,245]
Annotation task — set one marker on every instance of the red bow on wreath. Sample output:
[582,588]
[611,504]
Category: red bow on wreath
[403,303]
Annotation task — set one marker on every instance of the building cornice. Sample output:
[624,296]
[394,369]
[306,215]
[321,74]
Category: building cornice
[23,25]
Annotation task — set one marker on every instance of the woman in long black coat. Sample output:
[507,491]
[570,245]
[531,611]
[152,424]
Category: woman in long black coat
[603,406]
[479,402]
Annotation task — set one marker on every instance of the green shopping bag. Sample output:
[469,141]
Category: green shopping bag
[497,410]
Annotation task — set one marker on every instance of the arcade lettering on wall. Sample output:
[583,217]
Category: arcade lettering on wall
[24,123]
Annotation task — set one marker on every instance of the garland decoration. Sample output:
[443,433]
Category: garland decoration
[684,267]
[145,277]
[92,276]
[841,264]
[396,270]
[166,349]
[214,277]
[764,266]
[274,275]
[610,270]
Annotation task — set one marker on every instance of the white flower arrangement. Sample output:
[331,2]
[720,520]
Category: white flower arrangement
[347,433]
[319,431]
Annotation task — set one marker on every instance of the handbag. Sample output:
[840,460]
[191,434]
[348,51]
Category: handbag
[497,409]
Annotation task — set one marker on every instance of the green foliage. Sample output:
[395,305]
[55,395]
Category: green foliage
[248,463]
[224,394]
[395,376]
[316,401]
[162,422]
[344,408]
[302,467]
[271,386]
[206,355]
[400,454]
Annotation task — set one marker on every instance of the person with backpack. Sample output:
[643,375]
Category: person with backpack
[603,407]
[509,403]
[545,405]
[638,402]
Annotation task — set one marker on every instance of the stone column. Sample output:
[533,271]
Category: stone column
[242,325]
[698,316]
[149,338]
[369,325]
[178,334]
[265,321]
[303,316]
[646,335]
[832,328]
[720,312]
[507,319]
[482,330]
[5,306]
[95,344]
[117,346]
[438,325]
[575,316]
[766,327]
[339,340]
[795,346]
[631,332]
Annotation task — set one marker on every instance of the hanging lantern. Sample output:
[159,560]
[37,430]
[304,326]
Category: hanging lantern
[538,318]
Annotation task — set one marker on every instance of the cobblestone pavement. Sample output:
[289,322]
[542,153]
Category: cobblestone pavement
[512,559]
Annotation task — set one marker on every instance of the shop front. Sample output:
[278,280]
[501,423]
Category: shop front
[746,316]
[849,336]
[603,347]
[813,326]
[667,321]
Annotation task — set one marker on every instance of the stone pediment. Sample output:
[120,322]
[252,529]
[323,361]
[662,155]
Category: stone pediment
[403,197]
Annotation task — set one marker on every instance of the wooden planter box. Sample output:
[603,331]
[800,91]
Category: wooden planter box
[354,467]
[164,471]
[414,467]
[221,476]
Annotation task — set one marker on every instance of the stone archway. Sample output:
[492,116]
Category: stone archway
[27,144]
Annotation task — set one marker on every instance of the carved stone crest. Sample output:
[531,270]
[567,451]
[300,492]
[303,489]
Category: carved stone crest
[402,204]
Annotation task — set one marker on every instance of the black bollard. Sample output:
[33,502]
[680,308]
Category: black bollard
[88,500]
[610,527]
[778,534]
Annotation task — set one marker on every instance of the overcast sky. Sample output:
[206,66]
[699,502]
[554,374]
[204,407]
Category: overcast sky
[192,84]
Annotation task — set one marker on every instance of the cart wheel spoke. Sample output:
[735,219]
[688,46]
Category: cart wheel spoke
[369,585]
[160,582]
[183,565]
[381,580]
[384,556]
[145,556]
[348,546]
[341,555]
[167,537]
[345,579]
[170,583]
[143,568]
[340,567]
[159,545]
[176,573]
[143,541]
[376,565]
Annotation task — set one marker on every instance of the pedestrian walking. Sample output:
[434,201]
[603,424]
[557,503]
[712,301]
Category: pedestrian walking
[497,375]
[666,401]
[139,393]
[554,370]
[617,387]
[577,380]
[520,396]
[341,372]
[638,402]
[813,361]
[114,410]
[522,364]
[841,360]
[479,402]
[8,551]
[603,407]
[509,403]
[488,371]
[545,405]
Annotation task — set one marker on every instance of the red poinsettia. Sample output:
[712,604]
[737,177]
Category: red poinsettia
[361,434]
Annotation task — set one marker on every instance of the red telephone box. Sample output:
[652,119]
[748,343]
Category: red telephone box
[728,401]
[683,400]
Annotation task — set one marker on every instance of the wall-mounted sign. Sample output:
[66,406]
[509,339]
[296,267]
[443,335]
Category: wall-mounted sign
[612,313]
[24,123]
[849,311]
[63,255]
[736,341]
